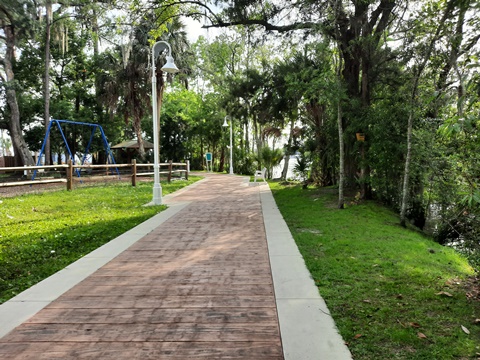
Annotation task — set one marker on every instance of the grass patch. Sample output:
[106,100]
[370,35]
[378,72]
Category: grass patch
[382,283]
[42,233]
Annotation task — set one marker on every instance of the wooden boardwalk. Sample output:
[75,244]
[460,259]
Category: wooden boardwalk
[197,287]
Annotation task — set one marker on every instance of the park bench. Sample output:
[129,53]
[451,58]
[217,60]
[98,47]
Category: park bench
[260,174]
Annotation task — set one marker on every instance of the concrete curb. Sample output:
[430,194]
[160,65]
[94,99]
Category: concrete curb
[306,326]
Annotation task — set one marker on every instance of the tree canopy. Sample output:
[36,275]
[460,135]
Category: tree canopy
[377,98]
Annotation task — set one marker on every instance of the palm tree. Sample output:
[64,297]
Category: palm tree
[127,86]
[302,168]
[270,158]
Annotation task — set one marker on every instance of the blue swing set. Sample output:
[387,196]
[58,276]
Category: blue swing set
[110,158]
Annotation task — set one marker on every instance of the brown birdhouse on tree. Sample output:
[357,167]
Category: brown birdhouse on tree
[360,136]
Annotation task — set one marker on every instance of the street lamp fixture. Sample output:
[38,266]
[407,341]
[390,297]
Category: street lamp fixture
[225,124]
[171,68]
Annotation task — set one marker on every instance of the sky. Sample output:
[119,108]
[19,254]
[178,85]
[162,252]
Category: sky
[194,29]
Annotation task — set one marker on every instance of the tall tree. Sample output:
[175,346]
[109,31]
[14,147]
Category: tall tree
[418,71]
[15,19]
[356,26]
[127,86]
[46,79]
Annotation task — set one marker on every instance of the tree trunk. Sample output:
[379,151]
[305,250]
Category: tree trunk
[15,130]
[221,166]
[460,92]
[406,175]
[138,132]
[99,107]
[247,139]
[403,208]
[46,84]
[257,138]
[363,173]
[341,144]
[341,199]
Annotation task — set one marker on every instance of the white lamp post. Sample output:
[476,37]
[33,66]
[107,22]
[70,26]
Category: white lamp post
[231,142]
[169,67]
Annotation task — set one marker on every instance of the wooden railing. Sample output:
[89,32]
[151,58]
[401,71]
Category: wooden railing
[171,169]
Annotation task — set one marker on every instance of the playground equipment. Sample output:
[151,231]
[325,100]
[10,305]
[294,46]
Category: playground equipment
[110,158]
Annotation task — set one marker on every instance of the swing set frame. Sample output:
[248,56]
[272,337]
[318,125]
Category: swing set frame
[110,158]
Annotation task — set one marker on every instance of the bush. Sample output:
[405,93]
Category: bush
[461,230]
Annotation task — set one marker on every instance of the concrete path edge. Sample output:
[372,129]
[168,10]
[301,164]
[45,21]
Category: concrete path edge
[306,326]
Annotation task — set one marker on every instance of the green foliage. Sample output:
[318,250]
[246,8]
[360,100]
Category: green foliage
[42,233]
[385,147]
[382,283]
[72,73]
[181,110]
[34,137]
[455,186]
[244,163]
[302,167]
[349,48]
[165,13]
[311,87]
[270,158]
[190,126]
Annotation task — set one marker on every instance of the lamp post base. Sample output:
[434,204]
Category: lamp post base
[157,194]
[231,170]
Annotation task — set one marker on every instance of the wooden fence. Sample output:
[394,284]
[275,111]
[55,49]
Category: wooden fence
[170,170]
[6,161]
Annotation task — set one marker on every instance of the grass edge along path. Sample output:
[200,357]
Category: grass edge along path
[43,233]
[393,292]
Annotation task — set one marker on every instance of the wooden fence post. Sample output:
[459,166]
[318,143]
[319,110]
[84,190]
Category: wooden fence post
[188,169]
[169,171]
[134,172]
[70,175]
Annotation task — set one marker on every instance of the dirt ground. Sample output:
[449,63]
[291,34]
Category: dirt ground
[11,191]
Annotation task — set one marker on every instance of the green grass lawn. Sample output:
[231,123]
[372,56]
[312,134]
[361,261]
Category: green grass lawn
[393,292]
[42,233]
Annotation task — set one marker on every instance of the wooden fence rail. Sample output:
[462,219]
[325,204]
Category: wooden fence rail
[171,169]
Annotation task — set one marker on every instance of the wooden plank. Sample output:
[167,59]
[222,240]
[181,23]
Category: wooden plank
[160,280]
[29,168]
[207,249]
[33,182]
[181,273]
[186,264]
[162,254]
[143,302]
[101,166]
[143,332]
[205,236]
[156,316]
[145,351]
[171,290]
